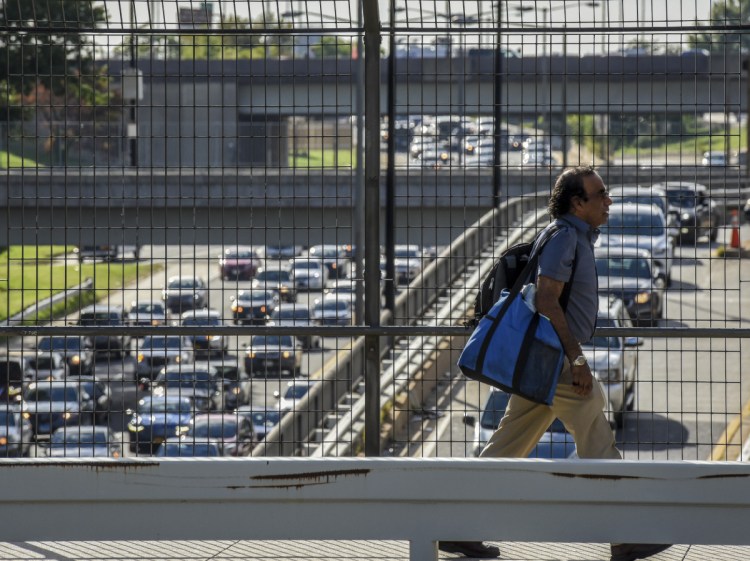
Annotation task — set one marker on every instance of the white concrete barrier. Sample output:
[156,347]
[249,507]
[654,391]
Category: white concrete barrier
[419,500]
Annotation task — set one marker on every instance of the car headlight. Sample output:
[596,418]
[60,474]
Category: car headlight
[75,360]
[262,309]
[141,357]
[136,428]
[686,216]
[3,441]
[155,322]
[26,415]
[286,354]
[660,250]
[237,309]
[608,374]
[642,297]
[236,391]
[251,354]
[182,430]
[316,275]
[67,415]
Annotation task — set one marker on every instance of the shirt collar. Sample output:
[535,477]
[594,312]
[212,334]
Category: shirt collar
[582,227]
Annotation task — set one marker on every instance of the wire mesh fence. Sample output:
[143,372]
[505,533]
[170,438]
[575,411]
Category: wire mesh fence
[208,231]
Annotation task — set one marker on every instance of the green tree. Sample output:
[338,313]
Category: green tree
[726,12]
[45,43]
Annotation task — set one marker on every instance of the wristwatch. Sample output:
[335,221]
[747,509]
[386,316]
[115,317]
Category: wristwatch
[580,360]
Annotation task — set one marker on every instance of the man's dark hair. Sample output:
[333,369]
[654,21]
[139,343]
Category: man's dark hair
[567,186]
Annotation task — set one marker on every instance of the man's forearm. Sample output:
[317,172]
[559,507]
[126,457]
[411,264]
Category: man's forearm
[550,307]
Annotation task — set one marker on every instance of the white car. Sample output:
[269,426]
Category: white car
[407,262]
[293,394]
[613,360]
[308,273]
[333,311]
[205,343]
[714,158]
[339,266]
[642,227]
[157,351]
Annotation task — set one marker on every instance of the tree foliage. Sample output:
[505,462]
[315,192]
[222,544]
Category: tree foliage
[728,13]
[45,43]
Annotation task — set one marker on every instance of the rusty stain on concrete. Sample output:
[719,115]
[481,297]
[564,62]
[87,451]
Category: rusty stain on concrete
[303,479]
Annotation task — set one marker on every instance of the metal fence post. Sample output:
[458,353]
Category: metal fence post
[372,209]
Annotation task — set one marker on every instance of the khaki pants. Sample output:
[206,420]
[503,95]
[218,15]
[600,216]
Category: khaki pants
[525,422]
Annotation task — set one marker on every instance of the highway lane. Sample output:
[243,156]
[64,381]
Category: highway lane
[202,261]
[687,390]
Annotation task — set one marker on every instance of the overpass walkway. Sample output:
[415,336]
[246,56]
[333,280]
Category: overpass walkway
[325,550]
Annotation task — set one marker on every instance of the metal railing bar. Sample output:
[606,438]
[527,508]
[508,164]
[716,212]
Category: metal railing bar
[357,331]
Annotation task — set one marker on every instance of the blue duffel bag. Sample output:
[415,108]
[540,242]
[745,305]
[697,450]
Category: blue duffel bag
[515,349]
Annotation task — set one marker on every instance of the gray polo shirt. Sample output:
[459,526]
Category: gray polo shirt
[556,262]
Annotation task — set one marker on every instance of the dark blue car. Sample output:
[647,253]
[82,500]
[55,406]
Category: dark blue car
[156,419]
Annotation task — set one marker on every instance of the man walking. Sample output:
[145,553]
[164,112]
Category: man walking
[579,204]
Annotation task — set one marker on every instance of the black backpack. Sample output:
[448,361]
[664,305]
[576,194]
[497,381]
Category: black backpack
[506,271]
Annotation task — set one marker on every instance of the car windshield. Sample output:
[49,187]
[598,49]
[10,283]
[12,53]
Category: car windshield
[98,318]
[151,342]
[183,283]
[147,308]
[278,275]
[326,251]
[201,320]
[188,449]
[59,343]
[306,265]
[254,295]
[79,436]
[291,313]
[200,380]
[333,305]
[634,224]
[405,253]
[604,342]
[46,362]
[7,419]
[296,391]
[52,393]
[267,418]
[642,199]
[238,254]
[683,198]
[215,429]
[494,410]
[623,267]
[271,341]
[165,406]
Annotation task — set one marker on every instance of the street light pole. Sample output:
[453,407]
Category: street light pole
[390,178]
[497,109]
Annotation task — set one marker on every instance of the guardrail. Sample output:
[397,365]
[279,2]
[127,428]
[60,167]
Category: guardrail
[377,499]
[345,369]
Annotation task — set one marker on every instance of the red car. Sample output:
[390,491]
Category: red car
[238,263]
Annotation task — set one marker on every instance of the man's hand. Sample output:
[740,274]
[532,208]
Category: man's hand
[583,381]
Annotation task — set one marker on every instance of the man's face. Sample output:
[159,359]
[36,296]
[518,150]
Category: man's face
[595,210]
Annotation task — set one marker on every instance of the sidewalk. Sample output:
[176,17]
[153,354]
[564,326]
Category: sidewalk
[326,550]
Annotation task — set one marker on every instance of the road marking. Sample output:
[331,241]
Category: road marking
[719,453]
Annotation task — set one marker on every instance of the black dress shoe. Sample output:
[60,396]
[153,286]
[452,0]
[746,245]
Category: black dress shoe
[633,551]
[477,550]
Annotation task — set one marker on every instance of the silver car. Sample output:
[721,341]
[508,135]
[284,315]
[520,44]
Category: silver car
[613,360]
